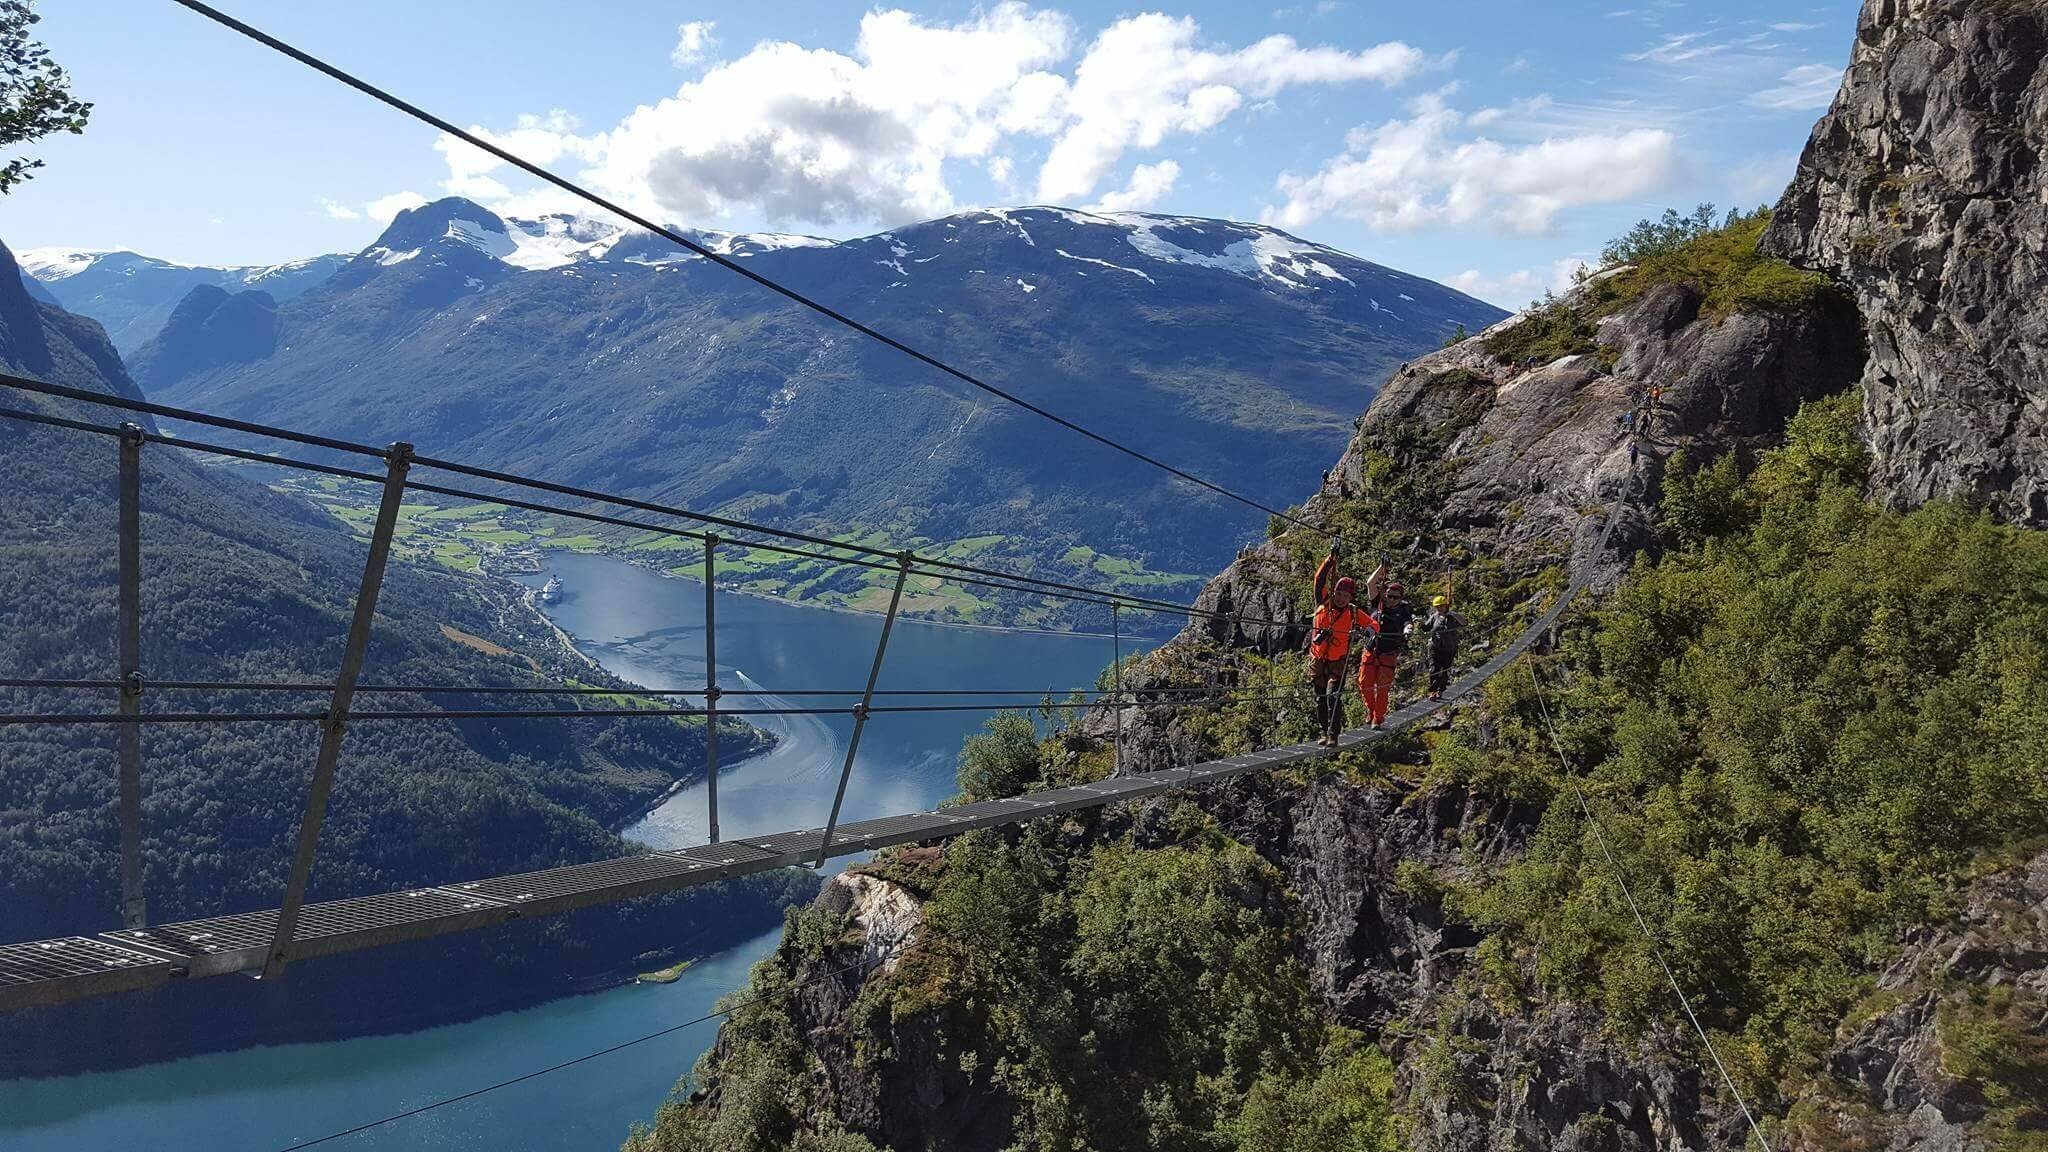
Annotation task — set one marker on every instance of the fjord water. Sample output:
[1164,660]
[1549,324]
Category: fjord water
[649,629]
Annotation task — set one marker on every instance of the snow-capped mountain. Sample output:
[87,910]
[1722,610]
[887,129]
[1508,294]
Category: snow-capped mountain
[133,295]
[586,352]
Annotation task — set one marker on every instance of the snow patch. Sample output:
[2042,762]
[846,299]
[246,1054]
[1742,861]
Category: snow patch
[1263,254]
[53,264]
[1106,264]
[489,241]
[387,257]
[1027,286]
[1006,218]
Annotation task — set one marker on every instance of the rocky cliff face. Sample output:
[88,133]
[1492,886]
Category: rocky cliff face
[1922,189]
[1523,453]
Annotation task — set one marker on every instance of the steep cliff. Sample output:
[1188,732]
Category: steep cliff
[1922,189]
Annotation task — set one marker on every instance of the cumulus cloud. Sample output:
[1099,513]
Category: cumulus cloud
[1516,289]
[804,135]
[335,210]
[1149,184]
[1805,88]
[1420,172]
[693,41]
[1145,77]
[384,208]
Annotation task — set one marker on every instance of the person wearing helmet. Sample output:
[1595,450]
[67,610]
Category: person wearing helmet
[1387,601]
[1441,626]
[1329,646]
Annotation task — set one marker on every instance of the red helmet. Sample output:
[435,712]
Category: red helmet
[1397,589]
[1345,585]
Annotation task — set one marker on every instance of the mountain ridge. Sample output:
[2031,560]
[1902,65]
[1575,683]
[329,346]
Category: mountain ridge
[617,362]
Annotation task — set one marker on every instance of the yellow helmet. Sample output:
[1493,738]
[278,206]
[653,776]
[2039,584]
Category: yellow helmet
[1439,601]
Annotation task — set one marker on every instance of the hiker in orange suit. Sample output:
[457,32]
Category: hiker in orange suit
[1387,601]
[1329,645]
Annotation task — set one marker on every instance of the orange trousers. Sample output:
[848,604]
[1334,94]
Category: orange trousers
[1376,682]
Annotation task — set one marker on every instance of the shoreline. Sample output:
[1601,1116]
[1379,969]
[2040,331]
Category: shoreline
[844,610]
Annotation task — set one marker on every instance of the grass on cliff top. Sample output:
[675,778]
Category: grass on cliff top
[1720,261]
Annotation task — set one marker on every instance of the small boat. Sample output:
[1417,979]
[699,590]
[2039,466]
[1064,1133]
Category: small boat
[552,590]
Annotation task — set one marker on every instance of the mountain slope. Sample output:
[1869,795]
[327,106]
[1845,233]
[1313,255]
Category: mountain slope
[240,583]
[594,357]
[132,295]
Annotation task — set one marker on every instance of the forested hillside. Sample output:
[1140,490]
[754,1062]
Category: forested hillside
[240,583]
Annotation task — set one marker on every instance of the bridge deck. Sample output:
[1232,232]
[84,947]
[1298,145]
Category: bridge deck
[44,972]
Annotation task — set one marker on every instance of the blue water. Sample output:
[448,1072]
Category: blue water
[651,630]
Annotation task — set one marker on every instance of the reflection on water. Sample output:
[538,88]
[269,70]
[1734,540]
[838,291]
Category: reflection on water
[650,630]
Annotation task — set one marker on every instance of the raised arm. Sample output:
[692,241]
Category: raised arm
[1326,576]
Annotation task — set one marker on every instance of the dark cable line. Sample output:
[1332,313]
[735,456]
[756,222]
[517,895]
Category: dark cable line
[1642,925]
[546,690]
[729,264]
[969,574]
[729,1009]
[60,719]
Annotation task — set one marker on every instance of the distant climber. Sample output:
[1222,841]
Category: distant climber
[1329,646]
[1442,625]
[1387,601]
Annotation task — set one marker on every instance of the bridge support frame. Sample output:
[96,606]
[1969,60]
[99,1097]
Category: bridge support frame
[134,909]
[398,461]
[860,711]
[711,692]
[1116,696]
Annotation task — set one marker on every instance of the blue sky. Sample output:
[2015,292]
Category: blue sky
[1485,144]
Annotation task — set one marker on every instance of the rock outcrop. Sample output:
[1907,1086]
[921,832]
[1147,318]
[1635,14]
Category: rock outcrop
[1922,189]
[1533,452]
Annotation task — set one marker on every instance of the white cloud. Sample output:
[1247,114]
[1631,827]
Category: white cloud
[1410,174]
[801,135]
[384,208]
[1793,27]
[1144,78]
[1805,88]
[335,210]
[1149,184]
[1516,289]
[693,41]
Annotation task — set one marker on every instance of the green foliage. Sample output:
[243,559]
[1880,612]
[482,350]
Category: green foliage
[1550,330]
[1991,1040]
[1346,1106]
[1651,239]
[1458,336]
[1119,997]
[1798,741]
[1001,761]
[1701,504]
[35,93]
[1721,263]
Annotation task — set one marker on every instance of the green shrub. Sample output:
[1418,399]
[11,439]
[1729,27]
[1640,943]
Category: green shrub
[1549,331]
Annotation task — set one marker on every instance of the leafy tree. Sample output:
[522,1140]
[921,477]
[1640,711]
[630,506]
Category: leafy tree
[1701,503]
[35,94]
[1658,237]
[1002,761]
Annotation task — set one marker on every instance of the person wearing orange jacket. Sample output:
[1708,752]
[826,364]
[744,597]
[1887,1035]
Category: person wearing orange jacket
[1387,601]
[1329,646]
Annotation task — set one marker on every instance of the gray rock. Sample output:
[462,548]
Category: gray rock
[1922,190]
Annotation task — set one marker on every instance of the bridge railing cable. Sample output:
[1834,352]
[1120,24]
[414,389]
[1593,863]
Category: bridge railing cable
[863,555]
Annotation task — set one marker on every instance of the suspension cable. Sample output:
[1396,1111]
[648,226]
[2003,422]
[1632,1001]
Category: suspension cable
[727,1010]
[723,261]
[1642,925]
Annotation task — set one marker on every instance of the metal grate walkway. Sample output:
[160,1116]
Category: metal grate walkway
[45,972]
